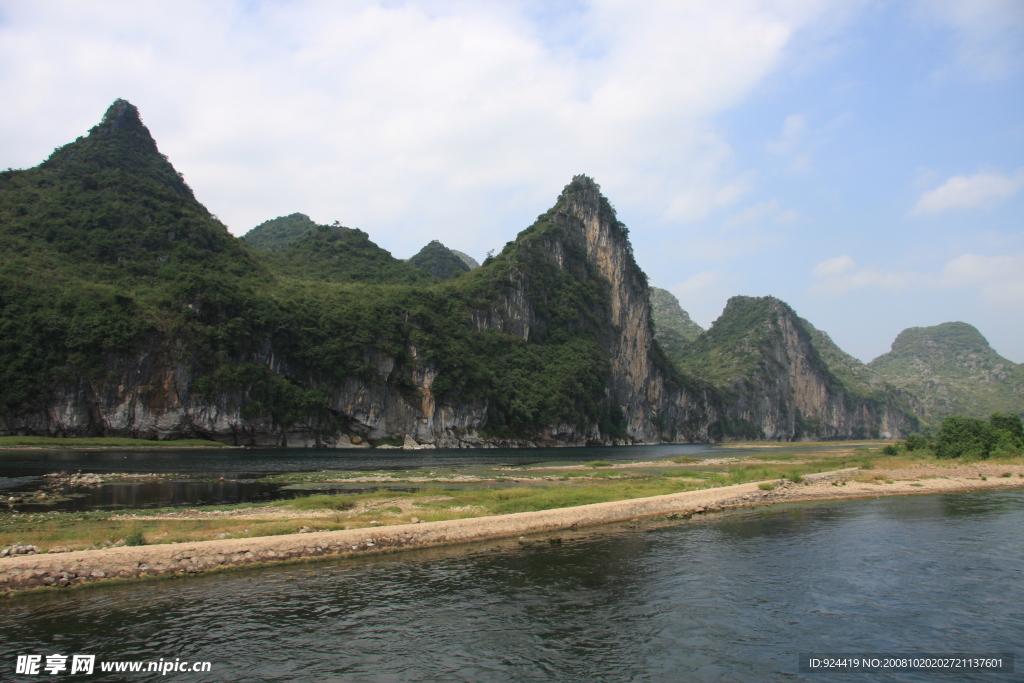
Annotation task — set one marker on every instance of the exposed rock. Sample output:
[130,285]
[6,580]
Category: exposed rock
[152,395]
[952,369]
[784,380]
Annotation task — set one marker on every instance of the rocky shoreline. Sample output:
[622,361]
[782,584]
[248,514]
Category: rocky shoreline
[55,570]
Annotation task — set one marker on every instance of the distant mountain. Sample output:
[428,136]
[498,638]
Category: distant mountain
[128,309]
[278,233]
[467,259]
[673,327]
[784,379]
[333,253]
[952,369]
[439,261]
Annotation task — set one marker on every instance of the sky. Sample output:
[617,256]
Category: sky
[861,160]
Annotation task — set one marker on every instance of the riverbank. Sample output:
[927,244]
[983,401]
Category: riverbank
[101,443]
[62,569]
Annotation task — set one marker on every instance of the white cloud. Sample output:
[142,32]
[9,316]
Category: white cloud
[762,212]
[794,128]
[703,295]
[834,266]
[997,280]
[983,189]
[988,36]
[453,120]
[840,275]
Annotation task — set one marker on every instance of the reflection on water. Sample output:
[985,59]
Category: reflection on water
[37,462]
[729,599]
[155,494]
[21,471]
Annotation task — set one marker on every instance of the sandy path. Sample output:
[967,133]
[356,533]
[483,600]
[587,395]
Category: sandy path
[86,566]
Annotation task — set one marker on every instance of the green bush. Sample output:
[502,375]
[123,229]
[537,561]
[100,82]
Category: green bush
[890,450]
[915,442]
[1009,423]
[599,463]
[135,538]
[1002,436]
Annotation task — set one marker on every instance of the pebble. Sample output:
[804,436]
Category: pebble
[19,549]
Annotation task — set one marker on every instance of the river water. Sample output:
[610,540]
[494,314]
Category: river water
[728,598]
[224,477]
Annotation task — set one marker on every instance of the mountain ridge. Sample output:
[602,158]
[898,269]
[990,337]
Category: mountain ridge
[156,322]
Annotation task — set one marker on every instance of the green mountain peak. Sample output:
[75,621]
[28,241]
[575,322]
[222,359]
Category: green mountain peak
[439,261]
[953,370]
[278,233]
[119,143]
[673,327]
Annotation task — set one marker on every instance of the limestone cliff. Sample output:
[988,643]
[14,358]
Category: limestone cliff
[156,323]
[128,309]
[784,380]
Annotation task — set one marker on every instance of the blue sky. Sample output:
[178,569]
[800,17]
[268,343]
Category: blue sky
[863,161]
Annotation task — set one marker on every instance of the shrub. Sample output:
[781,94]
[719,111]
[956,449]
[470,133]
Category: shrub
[685,459]
[890,450]
[1009,423]
[964,436]
[135,538]
[915,442]
[599,463]
[766,486]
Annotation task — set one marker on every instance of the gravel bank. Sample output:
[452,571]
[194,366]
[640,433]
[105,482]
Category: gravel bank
[89,566]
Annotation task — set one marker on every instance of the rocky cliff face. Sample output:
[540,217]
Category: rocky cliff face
[153,393]
[148,319]
[784,380]
[588,241]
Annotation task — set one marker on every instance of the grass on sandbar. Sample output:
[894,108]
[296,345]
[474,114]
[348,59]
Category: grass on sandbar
[382,508]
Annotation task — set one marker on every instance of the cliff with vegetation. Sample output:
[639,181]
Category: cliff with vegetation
[673,327]
[127,309]
[783,379]
[952,370]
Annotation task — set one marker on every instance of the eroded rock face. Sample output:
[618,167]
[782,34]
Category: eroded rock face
[794,397]
[794,391]
[154,398]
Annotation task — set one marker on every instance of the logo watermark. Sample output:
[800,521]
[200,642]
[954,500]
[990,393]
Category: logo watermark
[37,665]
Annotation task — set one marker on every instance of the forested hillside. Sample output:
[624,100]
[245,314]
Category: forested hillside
[439,261]
[952,369]
[278,233]
[127,309]
[673,327]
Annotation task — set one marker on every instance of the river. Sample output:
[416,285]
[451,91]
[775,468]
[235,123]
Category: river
[729,598]
[229,476]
